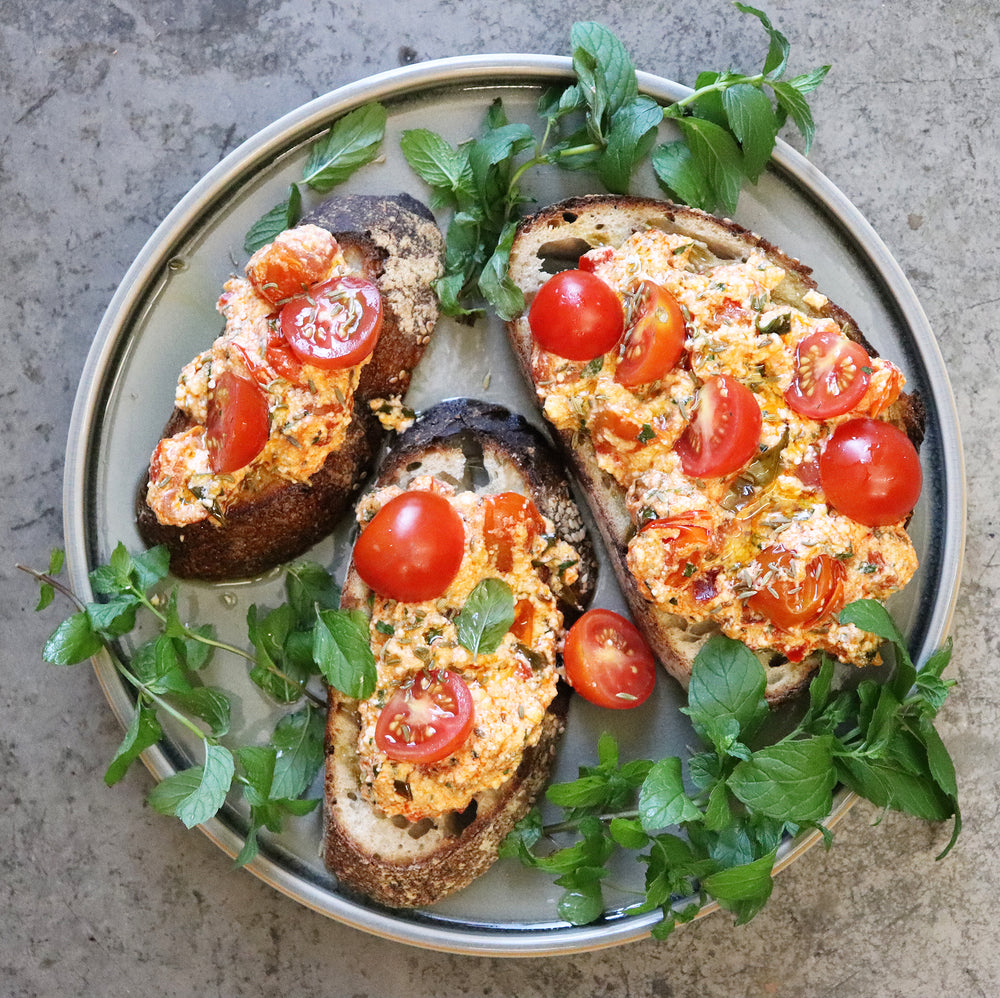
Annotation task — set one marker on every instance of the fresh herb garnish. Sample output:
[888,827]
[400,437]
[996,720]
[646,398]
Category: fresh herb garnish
[301,638]
[713,831]
[728,126]
[352,142]
[486,617]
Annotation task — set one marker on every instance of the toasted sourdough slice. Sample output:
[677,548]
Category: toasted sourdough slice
[394,242]
[470,445]
[554,239]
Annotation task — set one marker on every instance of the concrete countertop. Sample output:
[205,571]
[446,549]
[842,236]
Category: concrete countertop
[113,111]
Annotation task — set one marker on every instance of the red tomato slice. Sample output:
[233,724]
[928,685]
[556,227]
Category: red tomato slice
[292,263]
[608,661]
[427,718]
[412,548]
[611,432]
[654,336]
[724,430]
[237,425]
[592,259]
[687,537]
[503,516]
[788,602]
[576,315]
[523,627]
[870,471]
[831,375]
[336,324]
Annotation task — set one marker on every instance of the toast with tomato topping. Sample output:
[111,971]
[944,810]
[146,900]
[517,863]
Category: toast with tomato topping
[417,803]
[699,428]
[273,431]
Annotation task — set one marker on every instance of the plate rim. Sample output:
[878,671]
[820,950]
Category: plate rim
[489,71]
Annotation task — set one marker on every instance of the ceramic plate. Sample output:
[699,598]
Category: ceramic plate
[164,313]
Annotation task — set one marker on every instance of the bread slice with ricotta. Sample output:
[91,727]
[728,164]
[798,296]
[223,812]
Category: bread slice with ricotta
[397,861]
[554,239]
[394,242]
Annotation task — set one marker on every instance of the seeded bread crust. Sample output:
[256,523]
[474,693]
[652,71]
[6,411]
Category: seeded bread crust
[402,864]
[394,242]
[554,239]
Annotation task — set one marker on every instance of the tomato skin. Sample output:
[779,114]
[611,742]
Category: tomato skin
[654,336]
[412,547]
[870,472]
[503,514]
[608,661]
[724,430]
[336,325]
[294,261]
[788,603]
[237,425]
[687,537]
[831,375]
[576,315]
[426,719]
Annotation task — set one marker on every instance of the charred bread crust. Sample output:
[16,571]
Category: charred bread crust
[555,238]
[395,862]
[394,242]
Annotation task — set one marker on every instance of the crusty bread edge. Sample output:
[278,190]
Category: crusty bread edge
[456,861]
[599,220]
[395,242]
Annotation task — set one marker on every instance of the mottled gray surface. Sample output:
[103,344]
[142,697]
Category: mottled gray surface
[111,112]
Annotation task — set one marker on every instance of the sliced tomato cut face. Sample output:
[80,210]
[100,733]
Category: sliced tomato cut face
[504,517]
[654,336]
[870,471]
[831,375]
[576,315]
[791,598]
[336,325]
[724,430]
[608,661]
[412,548]
[686,539]
[237,424]
[427,718]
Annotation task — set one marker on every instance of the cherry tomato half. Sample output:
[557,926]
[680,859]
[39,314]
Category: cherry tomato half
[576,315]
[831,375]
[292,263]
[336,324]
[503,516]
[788,601]
[608,661]
[237,425]
[427,718]
[412,548]
[686,537]
[870,471]
[724,430]
[654,336]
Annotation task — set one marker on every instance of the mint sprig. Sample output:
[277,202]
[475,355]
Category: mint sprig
[601,123]
[287,650]
[708,826]
[352,142]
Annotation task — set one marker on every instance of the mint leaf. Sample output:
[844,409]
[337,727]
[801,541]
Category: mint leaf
[486,617]
[267,228]
[790,781]
[343,653]
[194,795]
[353,141]
[605,70]
[444,169]
[794,104]
[72,641]
[208,703]
[743,889]
[718,156]
[143,731]
[298,741]
[681,177]
[777,53]
[310,587]
[752,120]
[495,282]
[632,133]
[727,682]
[662,799]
